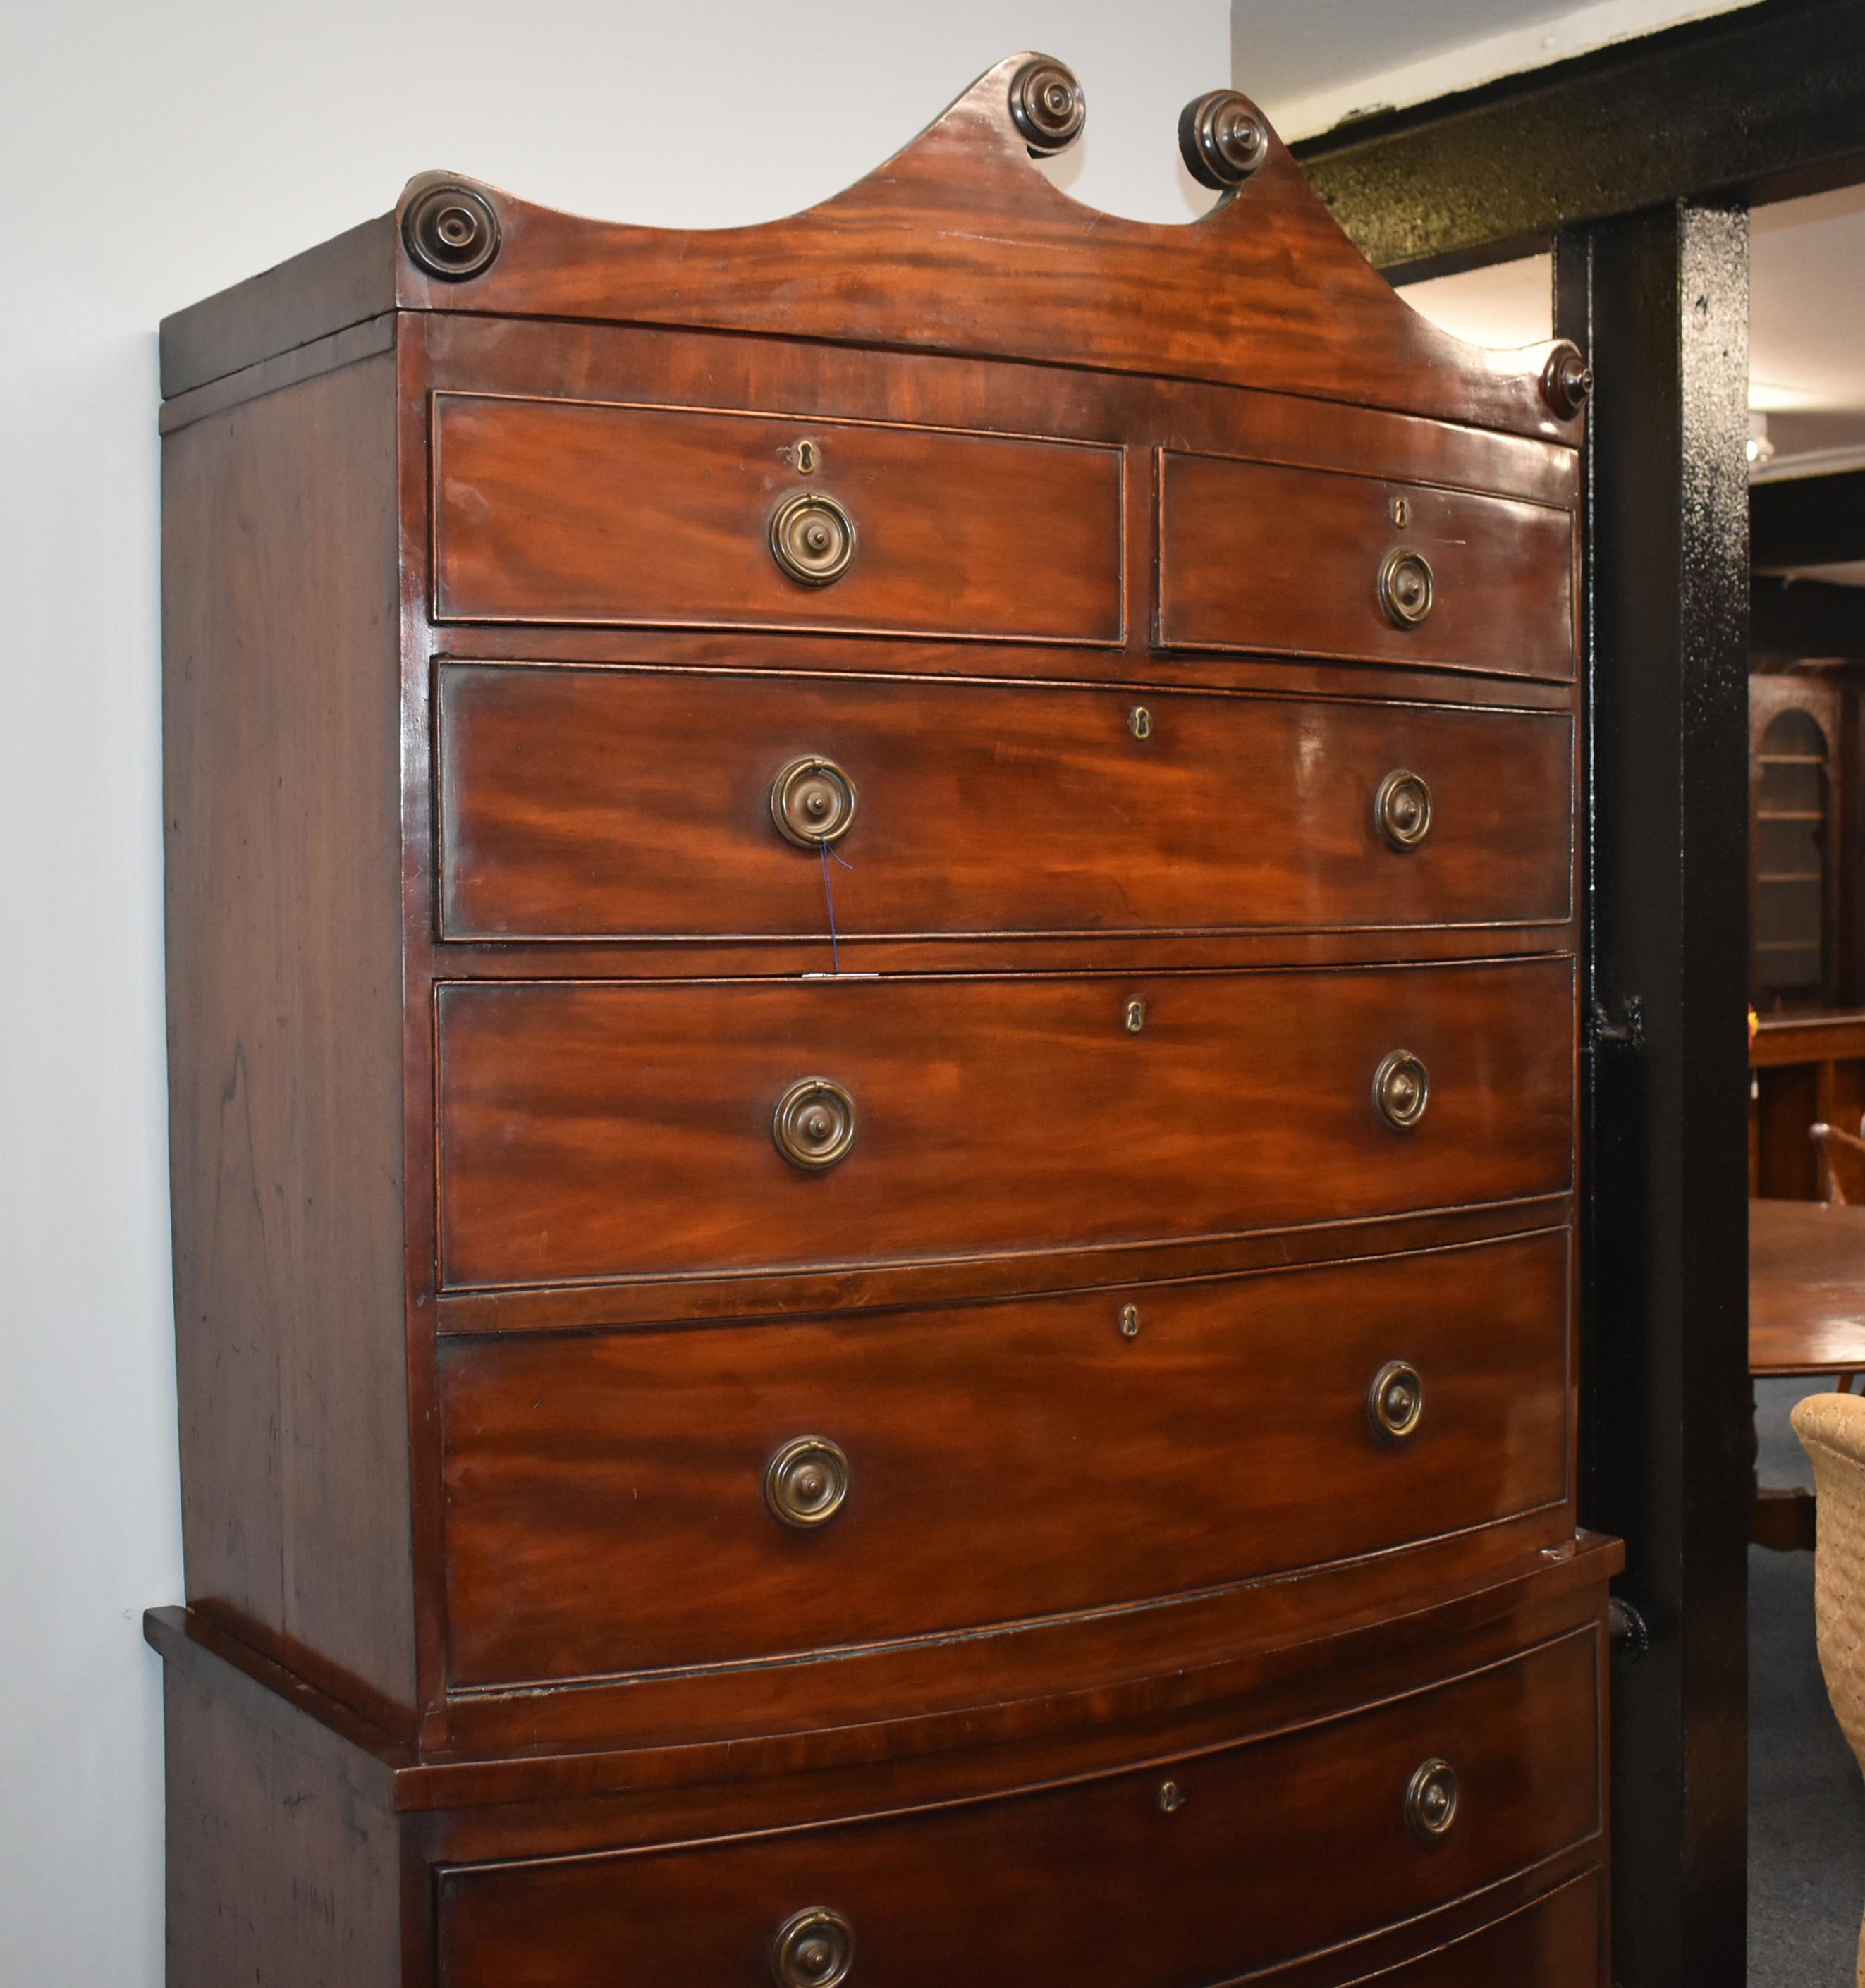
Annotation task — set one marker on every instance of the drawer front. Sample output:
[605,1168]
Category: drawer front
[1256,556]
[584,512]
[1558,1942]
[619,1129]
[582,802]
[1261,1853]
[997,1462]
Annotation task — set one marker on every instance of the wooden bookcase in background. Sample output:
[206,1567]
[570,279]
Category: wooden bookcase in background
[1805,980]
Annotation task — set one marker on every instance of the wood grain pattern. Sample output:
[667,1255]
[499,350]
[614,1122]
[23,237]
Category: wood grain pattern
[1806,1287]
[282,800]
[959,243]
[282,1866]
[1007,1461]
[591,1131]
[1556,1941]
[562,511]
[1255,555]
[1126,1892]
[576,803]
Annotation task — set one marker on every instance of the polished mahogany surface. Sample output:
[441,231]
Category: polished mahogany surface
[594,1130]
[987,808]
[1112,1878]
[557,511]
[873,984]
[1259,557]
[1806,1287]
[981,1445]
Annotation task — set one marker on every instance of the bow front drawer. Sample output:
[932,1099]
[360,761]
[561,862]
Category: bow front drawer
[572,511]
[1254,556]
[604,1130]
[1185,1873]
[857,1480]
[590,802]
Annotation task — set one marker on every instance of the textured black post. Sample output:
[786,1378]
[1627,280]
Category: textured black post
[1660,302]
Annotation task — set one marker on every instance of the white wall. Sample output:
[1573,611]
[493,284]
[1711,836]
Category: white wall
[153,154]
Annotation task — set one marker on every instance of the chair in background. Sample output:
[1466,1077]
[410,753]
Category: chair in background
[1829,1139]
[1832,1430]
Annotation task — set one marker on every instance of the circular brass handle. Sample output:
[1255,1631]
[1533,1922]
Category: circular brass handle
[1402,808]
[1401,1089]
[1431,1800]
[814,1124]
[807,1481]
[1395,1401]
[812,802]
[812,538]
[1406,588]
[814,1949]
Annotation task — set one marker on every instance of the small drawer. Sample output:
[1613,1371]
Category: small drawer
[1256,556]
[628,803]
[854,1480]
[618,1129]
[571,511]
[1187,1872]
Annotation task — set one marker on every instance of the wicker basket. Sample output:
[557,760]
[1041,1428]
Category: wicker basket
[1832,1430]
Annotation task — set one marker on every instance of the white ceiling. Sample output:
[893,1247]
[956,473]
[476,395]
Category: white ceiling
[1312,63]
[1806,340]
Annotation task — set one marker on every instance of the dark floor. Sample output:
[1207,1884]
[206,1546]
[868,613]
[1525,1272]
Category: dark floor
[1806,1799]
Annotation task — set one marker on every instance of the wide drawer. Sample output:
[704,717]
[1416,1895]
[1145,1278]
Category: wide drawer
[578,803]
[573,511]
[605,1130]
[1257,556]
[1183,1873]
[988,1464]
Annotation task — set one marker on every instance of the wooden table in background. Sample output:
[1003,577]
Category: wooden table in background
[1806,1316]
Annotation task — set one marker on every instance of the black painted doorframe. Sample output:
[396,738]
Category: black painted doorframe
[1638,165]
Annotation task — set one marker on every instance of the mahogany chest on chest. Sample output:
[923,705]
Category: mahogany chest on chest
[872,951]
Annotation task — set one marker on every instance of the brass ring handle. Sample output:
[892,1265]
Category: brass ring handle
[813,802]
[806,1483]
[1401,1089]
[814,1124]
[813,1948]
[1431,1801]
[812,538]
[1402,809]
[1406,587]
[1395,1401]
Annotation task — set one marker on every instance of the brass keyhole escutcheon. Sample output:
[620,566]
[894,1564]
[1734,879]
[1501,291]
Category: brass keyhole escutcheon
[1431,1801]
[1401,1089]
[814,1124]
[1402,512]
[1172,1798]
[808,456]
[812,538]
[813,1948]
[813,802]
[1134,1019]
[807,1481]
[1406,588]
[1139,722]
[1395,1401]
[1129,1321]
[1402,809]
